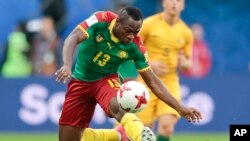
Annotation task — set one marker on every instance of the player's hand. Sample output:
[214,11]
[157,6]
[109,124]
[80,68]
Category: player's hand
[158,67]
[191,114]
[184,62]
[63,74]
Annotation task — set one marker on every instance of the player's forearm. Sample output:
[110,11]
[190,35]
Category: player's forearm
[159,89]
[68,51]
[185,63]
[74,38]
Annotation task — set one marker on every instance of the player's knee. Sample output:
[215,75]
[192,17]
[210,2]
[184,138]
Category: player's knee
[167,124]
[115,110]
[166,129]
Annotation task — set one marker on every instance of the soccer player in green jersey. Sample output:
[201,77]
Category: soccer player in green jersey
[106,40]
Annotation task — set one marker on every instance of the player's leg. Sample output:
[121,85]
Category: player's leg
[117,134]
[167,116]
[106,97]
[146,134]
[148,115]
[101,135]
[90,134]
[166,126]
[67,133]
[77,111]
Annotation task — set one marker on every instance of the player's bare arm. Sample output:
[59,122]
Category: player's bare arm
[75,37]
[158,67]
[184,61]
[161,92]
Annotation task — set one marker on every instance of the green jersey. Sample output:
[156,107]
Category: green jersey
[127,70]
[101,53]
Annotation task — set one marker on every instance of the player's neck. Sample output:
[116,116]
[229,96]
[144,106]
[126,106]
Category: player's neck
[171,20]
[114,31]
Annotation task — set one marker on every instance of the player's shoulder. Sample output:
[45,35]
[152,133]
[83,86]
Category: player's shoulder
[105,16]
[153,18]
[98,18]
[139,44]
[150,22]
[185,27]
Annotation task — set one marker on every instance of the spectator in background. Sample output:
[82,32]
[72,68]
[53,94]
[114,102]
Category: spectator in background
[17,63]
[57,11]
[44,50]
[3,50]
[201,57]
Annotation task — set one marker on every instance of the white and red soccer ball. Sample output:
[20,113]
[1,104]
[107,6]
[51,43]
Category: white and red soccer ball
[133,96]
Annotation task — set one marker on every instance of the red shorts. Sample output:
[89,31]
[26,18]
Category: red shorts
[81,98]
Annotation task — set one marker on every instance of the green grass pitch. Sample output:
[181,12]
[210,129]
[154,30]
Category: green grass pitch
[53,137]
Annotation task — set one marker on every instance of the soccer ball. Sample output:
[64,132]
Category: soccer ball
[133,96]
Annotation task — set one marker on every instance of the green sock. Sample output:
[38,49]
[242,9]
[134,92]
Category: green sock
[162,138]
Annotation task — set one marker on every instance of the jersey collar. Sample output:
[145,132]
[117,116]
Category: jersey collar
[111,26]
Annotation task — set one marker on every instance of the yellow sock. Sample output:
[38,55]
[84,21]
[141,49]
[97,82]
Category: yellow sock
[100,135]
[133,126]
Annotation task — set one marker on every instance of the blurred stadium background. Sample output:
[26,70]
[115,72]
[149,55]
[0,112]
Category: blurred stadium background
[30,105]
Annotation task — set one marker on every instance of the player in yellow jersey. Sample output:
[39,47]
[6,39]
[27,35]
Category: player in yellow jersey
[169,44]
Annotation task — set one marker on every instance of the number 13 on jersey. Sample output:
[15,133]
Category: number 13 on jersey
[101,58]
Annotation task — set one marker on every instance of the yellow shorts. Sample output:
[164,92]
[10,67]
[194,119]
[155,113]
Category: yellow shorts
[156,107]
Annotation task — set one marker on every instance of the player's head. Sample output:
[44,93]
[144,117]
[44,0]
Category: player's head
[128,24]
[173,7]
[198,31]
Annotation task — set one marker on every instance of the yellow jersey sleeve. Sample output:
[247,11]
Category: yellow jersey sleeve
[189,43]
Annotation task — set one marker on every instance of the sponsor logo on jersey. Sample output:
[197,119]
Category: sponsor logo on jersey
[122,54]
[155,35]
[110,47]
[98,38]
